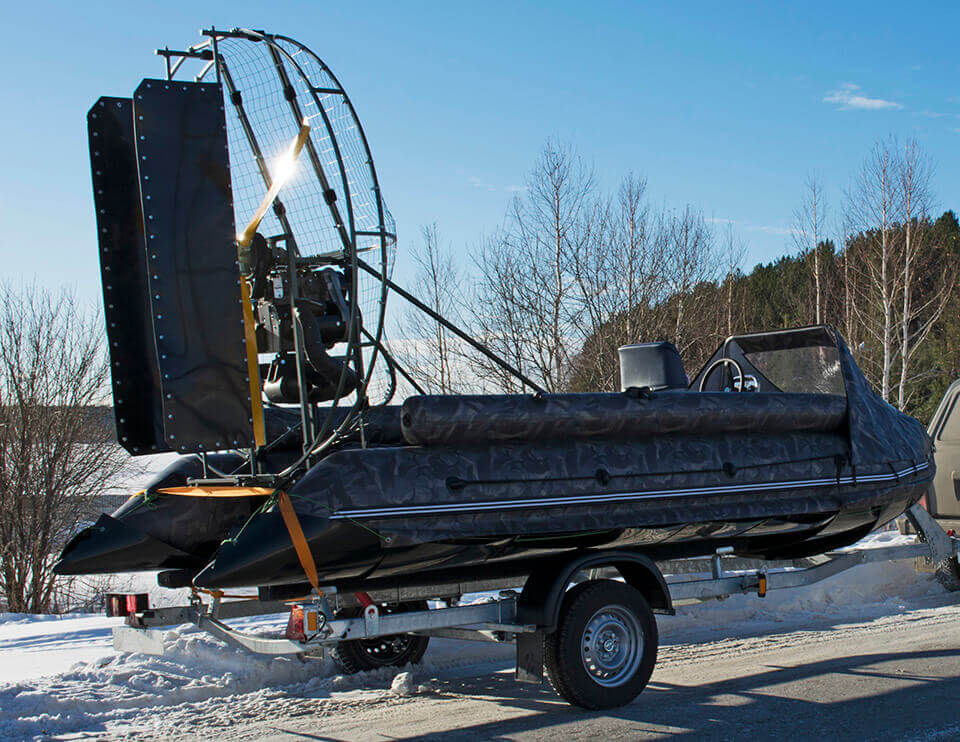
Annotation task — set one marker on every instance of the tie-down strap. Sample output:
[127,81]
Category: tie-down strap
[289,515]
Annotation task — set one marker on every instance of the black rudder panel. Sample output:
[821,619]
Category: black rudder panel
[192,260]
[123,273]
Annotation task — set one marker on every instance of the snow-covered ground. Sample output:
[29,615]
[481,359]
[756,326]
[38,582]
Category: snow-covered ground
[60,676]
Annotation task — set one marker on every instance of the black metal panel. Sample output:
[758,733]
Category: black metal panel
[133,354]
[192,264]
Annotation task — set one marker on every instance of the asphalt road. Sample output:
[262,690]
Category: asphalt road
[896,677]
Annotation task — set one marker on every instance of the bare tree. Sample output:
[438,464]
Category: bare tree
[620,275]
[526,307]
[921,269]
[873,209]
[690,259]
[810,219]
[734,250]
[57,449]
[432,357]
[845,228]
[497,312]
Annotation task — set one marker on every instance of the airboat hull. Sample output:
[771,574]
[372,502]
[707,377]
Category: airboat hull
[449,485]
[497,481]
[354,561]
[559,501]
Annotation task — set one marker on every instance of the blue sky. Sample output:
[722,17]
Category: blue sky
[724,105]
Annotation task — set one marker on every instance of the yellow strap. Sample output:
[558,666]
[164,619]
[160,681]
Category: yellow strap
[299,540]
[284,171]
[217,491]
[253,365]
[290,519]
[249,326]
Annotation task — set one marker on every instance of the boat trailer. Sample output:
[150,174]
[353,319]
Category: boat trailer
[530,616]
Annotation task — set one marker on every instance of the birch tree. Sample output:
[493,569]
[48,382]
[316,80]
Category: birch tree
[690,259]
[527,309]
[810,219]
[734,250]
[926,282]
[620,276]
[874,207]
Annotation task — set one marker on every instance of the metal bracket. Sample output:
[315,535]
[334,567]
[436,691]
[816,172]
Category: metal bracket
[371,620]
[716,566]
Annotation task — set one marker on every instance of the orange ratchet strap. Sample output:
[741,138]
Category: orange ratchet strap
[290,519]
[299,540]
[217,491]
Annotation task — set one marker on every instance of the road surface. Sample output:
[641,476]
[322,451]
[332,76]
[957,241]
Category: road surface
[890,677]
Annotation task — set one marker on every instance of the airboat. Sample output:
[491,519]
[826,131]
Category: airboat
[246,255]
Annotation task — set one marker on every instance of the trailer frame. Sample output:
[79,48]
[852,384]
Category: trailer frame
[528,616]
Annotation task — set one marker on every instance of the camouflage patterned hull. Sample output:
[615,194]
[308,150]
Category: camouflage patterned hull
[433,509]
[496,483]
[448,487]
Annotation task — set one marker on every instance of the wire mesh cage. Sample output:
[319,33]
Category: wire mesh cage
[330,209]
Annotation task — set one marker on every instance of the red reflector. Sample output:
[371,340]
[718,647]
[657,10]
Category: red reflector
[951,533]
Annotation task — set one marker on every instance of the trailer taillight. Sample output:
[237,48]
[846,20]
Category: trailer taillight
[125,604]
[305,621]
[295,624]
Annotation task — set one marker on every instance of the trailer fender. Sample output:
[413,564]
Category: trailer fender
[543,592]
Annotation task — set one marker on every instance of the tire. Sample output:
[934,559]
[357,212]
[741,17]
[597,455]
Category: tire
[948,574]
[396,650]
[594,676]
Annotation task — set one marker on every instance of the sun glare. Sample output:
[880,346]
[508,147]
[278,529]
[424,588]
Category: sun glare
[284,167]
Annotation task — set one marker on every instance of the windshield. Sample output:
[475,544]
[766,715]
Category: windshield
[804,360]
[815,369]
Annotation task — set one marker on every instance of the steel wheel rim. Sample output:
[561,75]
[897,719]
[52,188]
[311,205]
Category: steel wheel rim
[386,649]
[611,646]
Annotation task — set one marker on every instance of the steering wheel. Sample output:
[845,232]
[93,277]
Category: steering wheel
[738,384]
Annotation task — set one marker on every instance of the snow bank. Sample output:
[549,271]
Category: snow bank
[863,592]
[119,690]
[34,646]
[193,668]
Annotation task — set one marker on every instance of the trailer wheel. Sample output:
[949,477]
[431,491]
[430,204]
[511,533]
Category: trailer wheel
[395,650]
[605,646]
[948,574]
